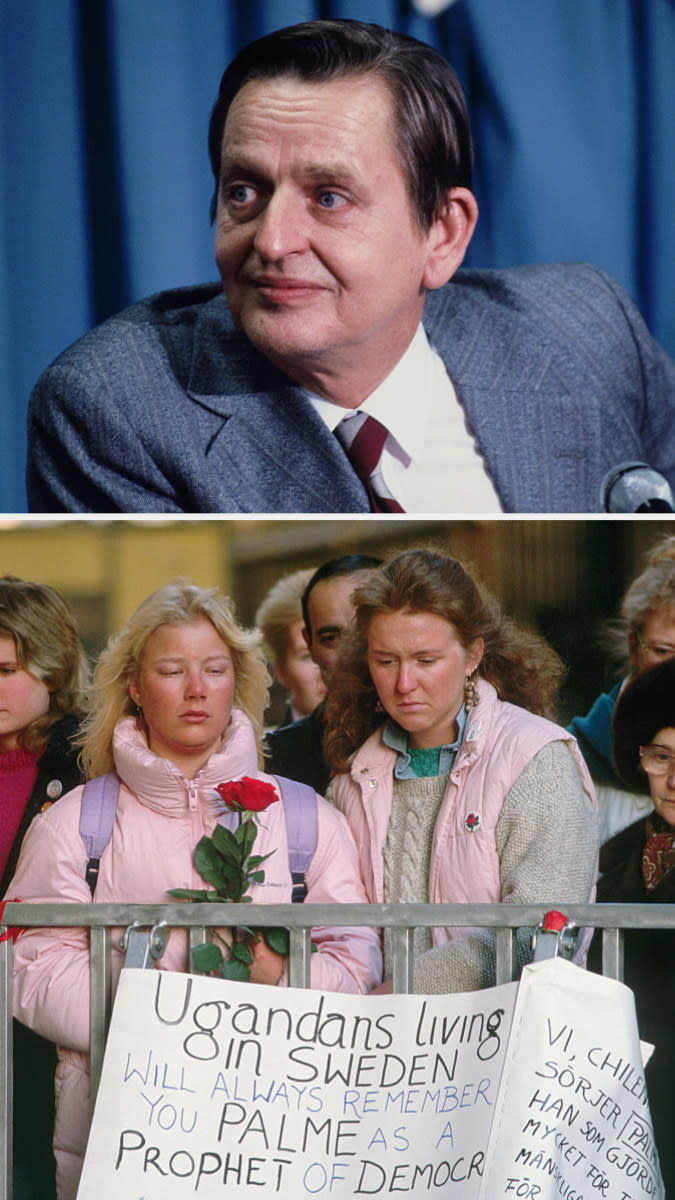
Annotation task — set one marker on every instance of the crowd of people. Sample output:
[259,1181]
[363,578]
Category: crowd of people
[421,721]
[441,771]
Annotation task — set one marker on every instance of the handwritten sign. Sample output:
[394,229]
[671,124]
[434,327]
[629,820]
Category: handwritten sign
[572,1119]
[212,1088]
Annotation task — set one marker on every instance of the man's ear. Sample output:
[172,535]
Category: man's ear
[449,237]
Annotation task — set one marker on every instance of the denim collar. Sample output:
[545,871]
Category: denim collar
[396,739]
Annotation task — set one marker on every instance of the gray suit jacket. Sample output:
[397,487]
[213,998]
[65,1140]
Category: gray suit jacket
[167,407]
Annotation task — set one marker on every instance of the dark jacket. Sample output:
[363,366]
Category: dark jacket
[296,751]
[649,966]
[649,970]
[35,1058]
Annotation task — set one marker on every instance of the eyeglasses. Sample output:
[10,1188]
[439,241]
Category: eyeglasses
[656,760]
[658,649]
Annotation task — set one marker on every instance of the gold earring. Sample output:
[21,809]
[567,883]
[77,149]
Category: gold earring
[470,691]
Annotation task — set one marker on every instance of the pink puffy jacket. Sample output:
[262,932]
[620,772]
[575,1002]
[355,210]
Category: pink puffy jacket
[160,818]
[499,741]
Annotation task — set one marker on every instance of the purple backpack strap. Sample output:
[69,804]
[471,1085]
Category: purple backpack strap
[302,820]
[97,817]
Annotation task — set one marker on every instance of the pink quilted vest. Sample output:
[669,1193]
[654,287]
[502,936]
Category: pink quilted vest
[499,740]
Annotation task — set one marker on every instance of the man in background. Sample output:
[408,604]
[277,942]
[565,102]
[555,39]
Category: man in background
[296,750]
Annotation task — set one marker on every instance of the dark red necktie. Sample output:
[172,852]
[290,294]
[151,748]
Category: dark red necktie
[363,437]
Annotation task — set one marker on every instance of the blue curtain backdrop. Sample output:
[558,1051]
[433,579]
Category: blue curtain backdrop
[105,183]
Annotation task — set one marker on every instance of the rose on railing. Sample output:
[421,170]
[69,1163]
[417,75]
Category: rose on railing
[226,861]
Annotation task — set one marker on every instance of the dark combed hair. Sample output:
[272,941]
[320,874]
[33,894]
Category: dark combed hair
[520,664]
[432,130]
[345,564]
[645,706]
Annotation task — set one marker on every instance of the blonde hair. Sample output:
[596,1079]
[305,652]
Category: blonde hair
[47,640]
[281,608]
[523,668]
[178,603]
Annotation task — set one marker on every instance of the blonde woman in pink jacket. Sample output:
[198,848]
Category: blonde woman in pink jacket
[456,785]
[178,703]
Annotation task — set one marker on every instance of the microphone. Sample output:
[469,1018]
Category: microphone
[635,487]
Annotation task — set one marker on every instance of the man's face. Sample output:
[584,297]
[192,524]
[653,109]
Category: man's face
[320,255]
[330,611]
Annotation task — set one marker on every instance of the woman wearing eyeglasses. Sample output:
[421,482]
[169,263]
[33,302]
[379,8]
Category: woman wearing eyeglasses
[643,636]
[638,866]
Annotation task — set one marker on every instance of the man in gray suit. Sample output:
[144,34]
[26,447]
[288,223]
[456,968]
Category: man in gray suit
[346,364]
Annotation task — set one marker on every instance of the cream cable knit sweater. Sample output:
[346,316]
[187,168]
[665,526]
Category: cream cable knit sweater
[534,867]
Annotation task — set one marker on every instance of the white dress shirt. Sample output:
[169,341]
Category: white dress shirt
[430,461]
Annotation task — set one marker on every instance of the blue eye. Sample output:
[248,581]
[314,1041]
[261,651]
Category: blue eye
[331,200]
[241,193]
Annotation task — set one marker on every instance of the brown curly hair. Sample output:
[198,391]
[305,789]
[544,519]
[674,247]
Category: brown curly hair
[522,667]
[47,639]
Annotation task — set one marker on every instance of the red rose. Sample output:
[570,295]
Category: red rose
[248,795]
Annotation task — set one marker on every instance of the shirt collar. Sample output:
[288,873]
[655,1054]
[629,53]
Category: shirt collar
[396,739]
[391,400]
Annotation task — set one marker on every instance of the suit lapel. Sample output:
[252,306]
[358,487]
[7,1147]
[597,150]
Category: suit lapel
[276,453]
[518,405]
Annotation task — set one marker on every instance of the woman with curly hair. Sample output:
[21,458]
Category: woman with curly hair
[456,784]
[177,710]
[43,675]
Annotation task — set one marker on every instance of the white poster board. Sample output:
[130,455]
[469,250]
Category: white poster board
[532,1091]
[572,1117]
[212,1088]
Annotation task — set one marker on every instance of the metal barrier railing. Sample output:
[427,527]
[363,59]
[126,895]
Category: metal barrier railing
[145,924]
